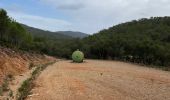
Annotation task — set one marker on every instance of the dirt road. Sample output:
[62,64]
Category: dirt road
[101,80]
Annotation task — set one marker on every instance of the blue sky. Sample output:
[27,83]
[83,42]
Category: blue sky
[89,16]
[32,12]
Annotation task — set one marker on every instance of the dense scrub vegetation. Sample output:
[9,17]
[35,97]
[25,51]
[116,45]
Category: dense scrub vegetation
[145,41]
[13,35]
[42,33]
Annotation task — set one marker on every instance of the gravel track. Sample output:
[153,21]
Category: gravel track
[101,80]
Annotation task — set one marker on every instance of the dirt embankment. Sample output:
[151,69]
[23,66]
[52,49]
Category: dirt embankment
[15,63]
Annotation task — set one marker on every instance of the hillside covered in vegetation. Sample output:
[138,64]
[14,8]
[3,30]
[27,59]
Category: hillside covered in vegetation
[54,35]
[42,33]
[142,41]
[14,35]
[145,41]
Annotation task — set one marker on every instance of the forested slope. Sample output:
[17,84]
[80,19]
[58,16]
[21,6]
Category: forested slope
[14,35]
[74,34]
[143,41]
[47,34]
[54,35]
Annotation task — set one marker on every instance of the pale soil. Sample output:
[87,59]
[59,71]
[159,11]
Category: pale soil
[101,80]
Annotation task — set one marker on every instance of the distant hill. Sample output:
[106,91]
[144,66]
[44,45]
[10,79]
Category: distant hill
[74,34]
[44,33]
[54,35]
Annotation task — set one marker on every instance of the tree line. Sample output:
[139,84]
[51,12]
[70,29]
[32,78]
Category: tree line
[145,41]
[14,35]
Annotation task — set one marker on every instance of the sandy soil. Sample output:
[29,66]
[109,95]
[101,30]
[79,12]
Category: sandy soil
[101,80]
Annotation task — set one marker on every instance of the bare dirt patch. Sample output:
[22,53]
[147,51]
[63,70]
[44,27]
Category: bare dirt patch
[101,80]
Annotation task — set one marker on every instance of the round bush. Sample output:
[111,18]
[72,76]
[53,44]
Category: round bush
[78,56]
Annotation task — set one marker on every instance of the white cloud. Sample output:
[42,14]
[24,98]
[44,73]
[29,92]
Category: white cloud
[93,15]
[66,4]
[41,22]
[90,16]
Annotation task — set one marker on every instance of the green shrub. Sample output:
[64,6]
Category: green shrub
[25,89]
[5,85]
[31,65]
[10,93]
[1,91]
[27,85]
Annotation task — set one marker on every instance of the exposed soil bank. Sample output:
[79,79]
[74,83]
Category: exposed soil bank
[15,63]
